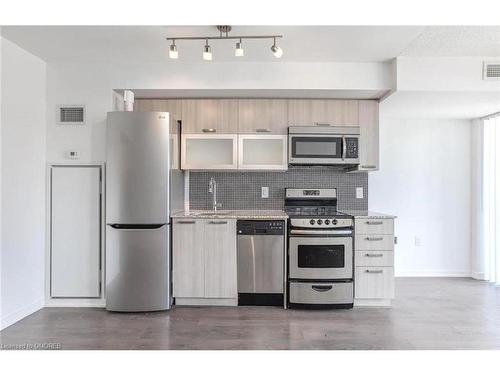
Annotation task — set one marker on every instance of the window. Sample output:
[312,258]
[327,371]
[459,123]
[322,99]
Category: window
[491,199]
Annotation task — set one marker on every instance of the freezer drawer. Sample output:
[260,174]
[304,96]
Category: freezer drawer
[260,263]
[321,293]
[137,269]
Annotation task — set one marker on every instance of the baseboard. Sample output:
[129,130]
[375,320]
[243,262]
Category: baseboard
[75,302]
[478,275]
[20,314]
[433,273]
[206,301]
[372,302]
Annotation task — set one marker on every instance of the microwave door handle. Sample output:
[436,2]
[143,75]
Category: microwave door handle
[344,148]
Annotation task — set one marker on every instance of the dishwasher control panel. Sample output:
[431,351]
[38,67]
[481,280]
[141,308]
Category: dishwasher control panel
[260,227]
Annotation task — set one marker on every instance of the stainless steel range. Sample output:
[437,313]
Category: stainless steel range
[320,250]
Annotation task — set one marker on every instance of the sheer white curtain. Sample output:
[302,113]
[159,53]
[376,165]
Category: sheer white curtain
[491,199]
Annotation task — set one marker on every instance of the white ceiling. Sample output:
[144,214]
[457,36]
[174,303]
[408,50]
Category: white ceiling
[450,41]
[440,104]
[147,43]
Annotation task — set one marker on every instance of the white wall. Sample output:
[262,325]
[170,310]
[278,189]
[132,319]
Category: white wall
[23,136]
[425,179]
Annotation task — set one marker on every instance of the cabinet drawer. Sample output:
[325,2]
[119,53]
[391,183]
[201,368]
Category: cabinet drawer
[320,293]
[374,226]
[374,258]
[374,282]
[374,242]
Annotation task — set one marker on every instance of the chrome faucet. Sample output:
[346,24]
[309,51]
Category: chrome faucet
[212,188]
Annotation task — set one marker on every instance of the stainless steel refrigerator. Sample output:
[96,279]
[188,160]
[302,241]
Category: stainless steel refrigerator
[143,184]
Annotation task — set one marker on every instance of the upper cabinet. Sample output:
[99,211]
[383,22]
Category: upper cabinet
[322,112]
[263,116]
[209,116]
[174,106]
[369,135]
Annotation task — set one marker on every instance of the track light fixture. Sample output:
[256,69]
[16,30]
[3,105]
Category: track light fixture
[207,52]
[224,35]
[173,53]
[277,51]
[239,51]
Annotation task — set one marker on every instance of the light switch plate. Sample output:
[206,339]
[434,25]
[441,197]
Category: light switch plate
[264,192]
[359,193]
[418,241]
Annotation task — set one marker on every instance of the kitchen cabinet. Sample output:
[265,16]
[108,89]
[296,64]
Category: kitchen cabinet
[257,116]
[188,258]
[373,261]
[369,136]
[259,152]
[209,151]
[75,231]
[374,283]
[305,112]
[173,106]
[204,259]
[202,116]
[219,241]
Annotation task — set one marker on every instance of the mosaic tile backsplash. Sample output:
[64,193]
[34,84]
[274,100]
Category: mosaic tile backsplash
[242,190]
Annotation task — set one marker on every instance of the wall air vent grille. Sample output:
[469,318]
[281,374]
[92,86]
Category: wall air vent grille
[71,115]
[491,70]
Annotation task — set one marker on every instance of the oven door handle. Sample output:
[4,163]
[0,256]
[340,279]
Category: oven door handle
[315,231]
[344,148]
[321,288]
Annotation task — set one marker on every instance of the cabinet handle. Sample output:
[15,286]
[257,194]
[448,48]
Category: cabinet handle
[263,130]
[374,271]
[374,255]
[321,288]
[322,124]
[210,130]
[185,222]
[374,222]
[374,238]
[217,222]
[369,166]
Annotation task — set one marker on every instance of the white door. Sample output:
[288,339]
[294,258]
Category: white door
[75,231]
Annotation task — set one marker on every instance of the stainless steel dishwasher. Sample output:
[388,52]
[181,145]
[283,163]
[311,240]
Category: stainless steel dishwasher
[261,252]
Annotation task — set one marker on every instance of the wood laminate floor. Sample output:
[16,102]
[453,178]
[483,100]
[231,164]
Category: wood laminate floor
[428,313]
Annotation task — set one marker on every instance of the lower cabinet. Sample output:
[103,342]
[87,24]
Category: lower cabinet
[204,261]
[374,282]
[374,262]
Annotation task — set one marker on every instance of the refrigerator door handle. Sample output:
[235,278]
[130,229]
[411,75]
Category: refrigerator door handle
[136,226]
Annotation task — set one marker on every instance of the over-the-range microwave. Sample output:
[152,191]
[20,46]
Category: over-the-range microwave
[323,145]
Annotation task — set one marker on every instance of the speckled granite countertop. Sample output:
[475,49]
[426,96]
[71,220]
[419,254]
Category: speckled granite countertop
[232,214]
[370,214]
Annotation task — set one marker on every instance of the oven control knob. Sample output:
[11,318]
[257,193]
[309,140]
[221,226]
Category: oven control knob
[320,221]
[327,222]
[334,221]
[312,222]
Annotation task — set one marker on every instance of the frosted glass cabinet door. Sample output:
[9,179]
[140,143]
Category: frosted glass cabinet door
[213,151]
[75,238]
[263,152]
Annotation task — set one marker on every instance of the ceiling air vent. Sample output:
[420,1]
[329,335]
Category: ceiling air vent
[491,70]
[71,115]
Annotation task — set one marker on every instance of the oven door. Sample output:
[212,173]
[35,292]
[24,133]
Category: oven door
[320,258]
[315,149]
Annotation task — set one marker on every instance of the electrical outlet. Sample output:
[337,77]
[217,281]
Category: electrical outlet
[359,193]
[264,192]
[418,241]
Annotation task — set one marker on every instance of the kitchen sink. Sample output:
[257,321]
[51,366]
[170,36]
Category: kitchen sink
[209,213]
